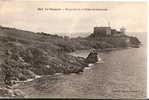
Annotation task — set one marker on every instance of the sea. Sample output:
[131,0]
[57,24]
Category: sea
[121,74]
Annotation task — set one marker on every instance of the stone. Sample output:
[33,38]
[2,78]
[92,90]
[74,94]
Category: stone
[92,57]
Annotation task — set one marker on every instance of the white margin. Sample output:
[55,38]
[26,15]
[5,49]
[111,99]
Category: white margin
[147,52]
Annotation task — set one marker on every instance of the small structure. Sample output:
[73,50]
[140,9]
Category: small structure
[102,31]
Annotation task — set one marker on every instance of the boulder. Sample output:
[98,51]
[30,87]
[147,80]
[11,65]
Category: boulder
[4,92]
[10,93]
[92,57]
[18,93]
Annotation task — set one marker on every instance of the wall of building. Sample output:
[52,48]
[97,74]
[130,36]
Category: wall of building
[102,31]
[107,31]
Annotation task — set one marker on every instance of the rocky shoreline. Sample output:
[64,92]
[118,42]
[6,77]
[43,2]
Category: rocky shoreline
[13,92]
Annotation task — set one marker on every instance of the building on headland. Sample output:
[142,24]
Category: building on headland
[108,31]
[102,31]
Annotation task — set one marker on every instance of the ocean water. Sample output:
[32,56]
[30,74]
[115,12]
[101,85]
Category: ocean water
[122,74]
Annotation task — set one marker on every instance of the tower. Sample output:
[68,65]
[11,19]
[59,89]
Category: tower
[108,30]
[123,30]
[109,24]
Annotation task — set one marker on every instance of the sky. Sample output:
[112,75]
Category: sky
[25,15]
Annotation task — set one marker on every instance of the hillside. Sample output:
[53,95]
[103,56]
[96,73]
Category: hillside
[24,54]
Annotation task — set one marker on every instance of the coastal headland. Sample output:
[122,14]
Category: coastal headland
[25,55]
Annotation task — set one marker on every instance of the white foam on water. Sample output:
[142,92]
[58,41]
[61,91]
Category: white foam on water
[58,73]
[31,79]
[90,64]
[37,76]
[87,68]
[47,66]
[100,60]
[28,80]
[73,73]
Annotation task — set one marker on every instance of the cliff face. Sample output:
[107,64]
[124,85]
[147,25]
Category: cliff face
[25,54]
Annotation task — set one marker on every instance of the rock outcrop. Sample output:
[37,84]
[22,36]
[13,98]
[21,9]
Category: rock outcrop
[92,57]
[11,93]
